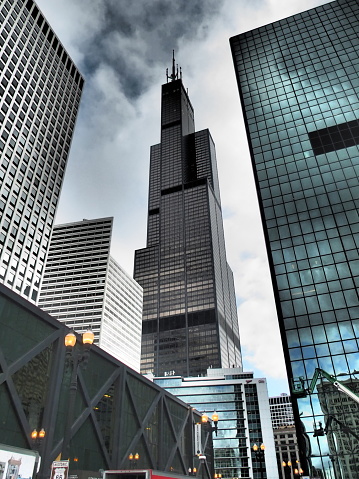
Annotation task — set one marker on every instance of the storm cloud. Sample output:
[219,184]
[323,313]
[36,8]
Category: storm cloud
[132,38]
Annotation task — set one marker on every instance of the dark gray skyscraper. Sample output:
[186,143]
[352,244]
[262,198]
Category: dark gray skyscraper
[40,90]
[190,318]
[299,84]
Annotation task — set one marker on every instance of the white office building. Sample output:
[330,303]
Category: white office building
[40,90]
[85,287]
[242,404]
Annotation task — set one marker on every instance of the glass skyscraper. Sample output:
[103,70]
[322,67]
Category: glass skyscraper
[190,319]
[299,84]
[40,90]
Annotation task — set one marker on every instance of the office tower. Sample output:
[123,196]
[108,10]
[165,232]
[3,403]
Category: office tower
[189,313]
[242,404]
[40,91]
[86,288]
[299,84]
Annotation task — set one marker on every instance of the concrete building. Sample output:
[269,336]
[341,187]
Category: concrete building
[40,90]
[85,287]
[242,404]
[298,80]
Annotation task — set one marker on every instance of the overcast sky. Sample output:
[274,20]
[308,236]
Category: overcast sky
[122,48]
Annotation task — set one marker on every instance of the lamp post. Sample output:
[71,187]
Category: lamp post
[214,418]
[75,359]
[36,436]
[287,468]
[259,454]
[133,458]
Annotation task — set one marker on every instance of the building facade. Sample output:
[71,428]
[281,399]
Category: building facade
[281,411]
[298,80]
[242,404]
[40,90]
[85,287]
[285,437]
[189,314]
[117,411]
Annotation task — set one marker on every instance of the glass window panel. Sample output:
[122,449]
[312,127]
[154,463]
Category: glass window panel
[332,332]
[292,338]
[305,336]
[346,330]
[336,347]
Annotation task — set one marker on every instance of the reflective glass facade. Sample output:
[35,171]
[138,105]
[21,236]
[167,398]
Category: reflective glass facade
[40,90]
[242,405]
[189,318]
[298,81]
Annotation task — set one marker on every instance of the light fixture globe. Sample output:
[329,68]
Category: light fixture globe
[204,417]
[88,337]
[70,339]
[215,416]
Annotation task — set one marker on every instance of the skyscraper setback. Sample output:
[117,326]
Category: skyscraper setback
[189,319]
[40,90]
[299,85]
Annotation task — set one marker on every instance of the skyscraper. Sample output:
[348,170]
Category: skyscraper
[85,287]
[40,90]
[298,80]
[189,313]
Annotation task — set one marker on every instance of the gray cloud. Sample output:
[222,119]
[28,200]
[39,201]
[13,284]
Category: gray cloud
[150,30]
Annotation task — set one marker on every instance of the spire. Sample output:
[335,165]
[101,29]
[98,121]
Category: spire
[174,75]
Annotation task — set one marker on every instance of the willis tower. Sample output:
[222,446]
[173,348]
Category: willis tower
[190,319]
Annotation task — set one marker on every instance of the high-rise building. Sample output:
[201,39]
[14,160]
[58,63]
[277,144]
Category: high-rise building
[242,404]
[86,288]
[40,90]
[298,80]
[189,314]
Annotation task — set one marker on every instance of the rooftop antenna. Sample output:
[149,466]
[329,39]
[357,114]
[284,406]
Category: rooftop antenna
[174,74]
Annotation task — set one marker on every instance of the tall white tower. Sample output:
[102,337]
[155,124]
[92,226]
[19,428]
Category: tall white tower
[85,287]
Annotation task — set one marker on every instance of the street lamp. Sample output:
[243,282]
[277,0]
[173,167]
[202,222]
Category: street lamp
[75,359]
[37,437]
[214,418]
[133,458]
[298,472]
[259,454]
[287,466]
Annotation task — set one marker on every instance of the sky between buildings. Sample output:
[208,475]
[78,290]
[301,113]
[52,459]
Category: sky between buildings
[122,48]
